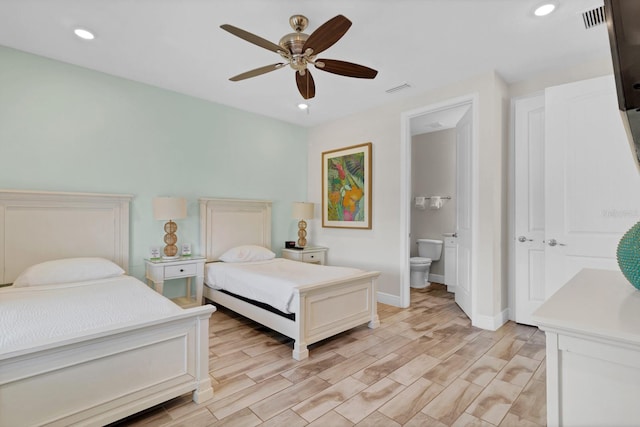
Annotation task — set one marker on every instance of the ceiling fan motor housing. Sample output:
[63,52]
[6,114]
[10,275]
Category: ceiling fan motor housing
[293,43]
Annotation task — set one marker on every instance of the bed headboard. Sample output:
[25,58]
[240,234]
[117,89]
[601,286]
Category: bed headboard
[42,226]
[226,223]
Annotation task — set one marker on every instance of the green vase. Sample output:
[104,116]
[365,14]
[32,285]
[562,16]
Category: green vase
[628,255]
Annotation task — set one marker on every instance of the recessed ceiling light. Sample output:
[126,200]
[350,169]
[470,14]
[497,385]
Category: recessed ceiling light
[544,9]
[84,34]
[303,106]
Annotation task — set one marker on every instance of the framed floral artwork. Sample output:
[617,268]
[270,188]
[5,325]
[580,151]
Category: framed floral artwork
[346,187]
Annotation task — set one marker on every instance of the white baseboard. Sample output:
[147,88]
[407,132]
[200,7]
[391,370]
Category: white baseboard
[451,289]
[388,299]
[492,323]
[437,278]
[511,314]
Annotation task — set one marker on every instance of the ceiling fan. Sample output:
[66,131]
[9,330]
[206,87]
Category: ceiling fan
[299,50]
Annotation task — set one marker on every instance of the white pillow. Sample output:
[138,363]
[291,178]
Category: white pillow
[68,270]
[247,253]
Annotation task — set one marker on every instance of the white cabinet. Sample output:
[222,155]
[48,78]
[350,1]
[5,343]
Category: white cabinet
[592,327]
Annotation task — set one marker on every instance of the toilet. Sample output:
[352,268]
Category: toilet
[428,250]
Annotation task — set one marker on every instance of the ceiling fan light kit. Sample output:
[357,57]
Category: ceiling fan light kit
[299,50]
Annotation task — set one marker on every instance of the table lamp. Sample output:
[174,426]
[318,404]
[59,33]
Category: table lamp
[170,208]
[302,211]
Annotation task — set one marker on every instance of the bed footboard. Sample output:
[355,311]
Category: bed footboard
[332,307]
[97,379]
[323,310]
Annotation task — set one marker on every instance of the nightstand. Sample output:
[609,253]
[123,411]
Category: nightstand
[157,271]
[310,254]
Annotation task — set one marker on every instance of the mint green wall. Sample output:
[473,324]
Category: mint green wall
[67,128]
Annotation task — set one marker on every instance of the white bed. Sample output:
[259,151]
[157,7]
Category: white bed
[322,308]
[109,365]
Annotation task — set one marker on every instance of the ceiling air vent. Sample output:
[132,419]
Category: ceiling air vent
[593,17]
[398,88]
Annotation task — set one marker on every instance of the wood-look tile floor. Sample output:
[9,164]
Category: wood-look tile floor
[424,366]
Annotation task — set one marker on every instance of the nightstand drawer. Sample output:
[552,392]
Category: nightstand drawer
[312,255]
[316,257]
[172,271]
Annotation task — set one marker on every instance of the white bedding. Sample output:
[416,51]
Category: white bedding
[42,314]
[272,282]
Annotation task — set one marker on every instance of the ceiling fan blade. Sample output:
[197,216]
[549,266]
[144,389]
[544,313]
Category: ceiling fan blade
[252,38]
[327,34]
[344,68]
[257,72]
[305,83]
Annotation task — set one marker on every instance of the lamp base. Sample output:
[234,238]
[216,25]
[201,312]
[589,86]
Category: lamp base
[302,233]
[171,250]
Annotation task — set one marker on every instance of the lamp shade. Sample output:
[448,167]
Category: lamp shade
[165,208]
[302,210]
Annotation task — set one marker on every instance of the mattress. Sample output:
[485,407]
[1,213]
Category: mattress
[272,282]
[40,315]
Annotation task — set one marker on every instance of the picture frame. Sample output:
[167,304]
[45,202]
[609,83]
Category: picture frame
[155,253]
[347,187]
[186,249]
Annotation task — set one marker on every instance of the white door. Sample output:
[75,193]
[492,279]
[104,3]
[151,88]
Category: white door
[592,188]
[529,226]
[464,185]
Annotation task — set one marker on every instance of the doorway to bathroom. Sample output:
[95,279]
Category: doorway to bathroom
[433,137]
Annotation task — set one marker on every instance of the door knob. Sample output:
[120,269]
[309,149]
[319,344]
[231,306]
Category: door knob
[524,239]
[554,242]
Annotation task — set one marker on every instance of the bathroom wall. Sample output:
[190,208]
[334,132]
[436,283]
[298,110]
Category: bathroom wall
[433,173]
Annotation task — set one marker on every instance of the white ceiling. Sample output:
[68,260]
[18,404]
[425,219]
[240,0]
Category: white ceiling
[178,45]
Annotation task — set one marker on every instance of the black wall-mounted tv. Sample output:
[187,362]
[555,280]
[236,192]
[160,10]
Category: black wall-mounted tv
[623,22]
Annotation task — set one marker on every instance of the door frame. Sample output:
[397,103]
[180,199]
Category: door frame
[405,192]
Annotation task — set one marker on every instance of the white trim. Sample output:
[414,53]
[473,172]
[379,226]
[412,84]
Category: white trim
[405,211]
[475,203]
[405,192]
[491,323]
[511,213]
[438,278]
[388,299]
